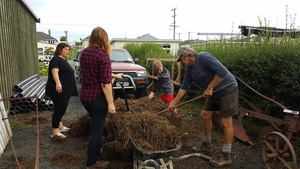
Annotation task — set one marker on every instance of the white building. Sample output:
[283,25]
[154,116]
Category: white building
[45,41]
[170,45]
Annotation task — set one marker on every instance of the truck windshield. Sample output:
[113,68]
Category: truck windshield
[120,56]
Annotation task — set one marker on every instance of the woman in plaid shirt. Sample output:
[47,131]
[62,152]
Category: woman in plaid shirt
[97,90]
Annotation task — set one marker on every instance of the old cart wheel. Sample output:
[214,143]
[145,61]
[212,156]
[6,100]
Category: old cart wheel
[263,132]
[278,152]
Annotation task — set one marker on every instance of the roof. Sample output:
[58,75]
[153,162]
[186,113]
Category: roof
[24,3]
[41,36]
[144,40]
[147,37]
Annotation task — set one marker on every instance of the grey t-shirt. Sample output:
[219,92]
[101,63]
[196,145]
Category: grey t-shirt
[164,83]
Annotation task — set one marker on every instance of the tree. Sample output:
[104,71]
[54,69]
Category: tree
[63,38]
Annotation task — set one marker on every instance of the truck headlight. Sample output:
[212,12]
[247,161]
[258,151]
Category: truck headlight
[141,73]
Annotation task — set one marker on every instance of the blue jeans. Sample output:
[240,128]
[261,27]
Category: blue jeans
[97,110]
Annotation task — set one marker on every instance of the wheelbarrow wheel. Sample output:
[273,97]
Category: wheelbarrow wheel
[278,152]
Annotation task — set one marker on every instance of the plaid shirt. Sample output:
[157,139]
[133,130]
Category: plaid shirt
[95,69]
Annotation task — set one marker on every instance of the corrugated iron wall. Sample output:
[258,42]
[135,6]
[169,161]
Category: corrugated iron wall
[18,46]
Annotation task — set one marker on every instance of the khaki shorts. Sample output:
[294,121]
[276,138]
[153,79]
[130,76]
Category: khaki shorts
[228,105]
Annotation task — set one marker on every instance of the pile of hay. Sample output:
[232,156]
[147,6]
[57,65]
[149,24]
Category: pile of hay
[150,131]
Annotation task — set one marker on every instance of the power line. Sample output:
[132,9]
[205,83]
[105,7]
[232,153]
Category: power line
[189,33]
[179,35]
[174,22]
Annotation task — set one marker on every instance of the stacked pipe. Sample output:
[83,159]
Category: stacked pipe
[26,89]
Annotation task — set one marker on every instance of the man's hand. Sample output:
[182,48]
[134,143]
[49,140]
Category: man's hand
[171,106]
[208,92]
[151,95]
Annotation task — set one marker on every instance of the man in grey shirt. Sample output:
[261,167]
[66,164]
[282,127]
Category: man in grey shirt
[206,71]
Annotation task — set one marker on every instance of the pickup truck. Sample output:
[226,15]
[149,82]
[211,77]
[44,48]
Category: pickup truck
[122,62]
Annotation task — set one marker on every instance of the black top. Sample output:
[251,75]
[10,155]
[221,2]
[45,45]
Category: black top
[66,77]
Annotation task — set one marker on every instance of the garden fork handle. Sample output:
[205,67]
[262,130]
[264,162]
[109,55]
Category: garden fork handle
[196,98]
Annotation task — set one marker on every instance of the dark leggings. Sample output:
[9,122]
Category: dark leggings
[98,112]
[60,107]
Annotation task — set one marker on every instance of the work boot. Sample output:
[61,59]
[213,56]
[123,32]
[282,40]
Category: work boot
[99,165]
[224,159]
[205,148]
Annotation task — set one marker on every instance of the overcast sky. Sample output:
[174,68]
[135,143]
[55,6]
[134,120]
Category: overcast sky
[134,18]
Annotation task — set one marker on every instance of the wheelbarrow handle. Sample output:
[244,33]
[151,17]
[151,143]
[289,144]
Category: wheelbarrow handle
[196,98]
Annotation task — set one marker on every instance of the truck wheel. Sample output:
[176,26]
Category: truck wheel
[142,92]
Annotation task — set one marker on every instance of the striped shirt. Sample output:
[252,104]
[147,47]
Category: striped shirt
[95,69]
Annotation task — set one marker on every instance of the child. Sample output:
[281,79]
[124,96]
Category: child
[164,83]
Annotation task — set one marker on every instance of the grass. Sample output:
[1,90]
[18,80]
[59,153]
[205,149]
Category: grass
[193,108]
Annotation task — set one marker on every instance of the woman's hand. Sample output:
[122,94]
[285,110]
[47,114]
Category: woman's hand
[58,88]
[111,108]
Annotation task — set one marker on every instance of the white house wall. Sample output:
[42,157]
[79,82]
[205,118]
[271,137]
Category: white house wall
[42,45]
[173,45]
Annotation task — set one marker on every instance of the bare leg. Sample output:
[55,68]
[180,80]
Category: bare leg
[61,126]
[206,117]
[228,130]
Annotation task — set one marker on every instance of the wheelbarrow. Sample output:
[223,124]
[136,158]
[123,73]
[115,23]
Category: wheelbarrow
[148,160]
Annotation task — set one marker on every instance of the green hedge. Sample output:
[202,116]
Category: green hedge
[271,66]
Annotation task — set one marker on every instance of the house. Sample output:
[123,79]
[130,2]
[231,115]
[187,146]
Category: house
[44,42]
[46,38]
[42,46]
[170,45]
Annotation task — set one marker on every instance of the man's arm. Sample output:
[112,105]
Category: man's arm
[209,90]
[178,97]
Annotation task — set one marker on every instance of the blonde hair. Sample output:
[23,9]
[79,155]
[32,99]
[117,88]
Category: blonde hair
[99,39]
[157,65]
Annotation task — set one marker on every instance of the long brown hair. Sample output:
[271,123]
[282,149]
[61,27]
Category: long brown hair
[60,47]
[99,39]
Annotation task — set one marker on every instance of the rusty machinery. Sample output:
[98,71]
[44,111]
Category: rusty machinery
[275,139]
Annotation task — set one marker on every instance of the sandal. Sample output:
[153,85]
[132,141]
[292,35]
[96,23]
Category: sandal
[59,135]
[64,129]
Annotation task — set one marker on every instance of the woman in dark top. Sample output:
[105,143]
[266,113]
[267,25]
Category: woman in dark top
[60,87]
[97,91]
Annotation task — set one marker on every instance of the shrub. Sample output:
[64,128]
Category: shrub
[43,69]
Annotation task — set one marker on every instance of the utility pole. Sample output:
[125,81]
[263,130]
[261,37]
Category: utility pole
[189,33]
[66,32]
[179,35]
[174,22]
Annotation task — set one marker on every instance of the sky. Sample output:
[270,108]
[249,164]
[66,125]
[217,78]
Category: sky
[134,18]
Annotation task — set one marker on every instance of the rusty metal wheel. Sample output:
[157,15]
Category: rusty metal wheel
[263,132]
[278,152]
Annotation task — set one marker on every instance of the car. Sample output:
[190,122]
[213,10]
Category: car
[77,65]
[135,80]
